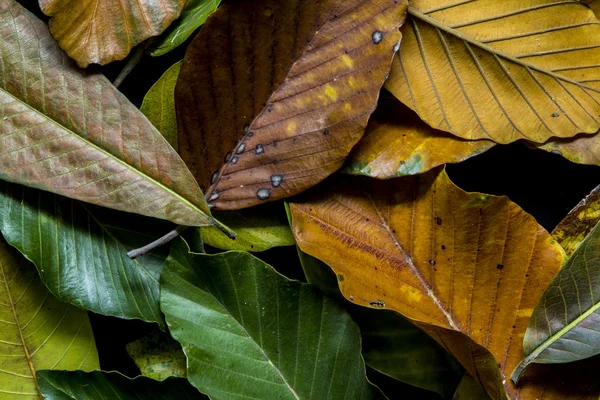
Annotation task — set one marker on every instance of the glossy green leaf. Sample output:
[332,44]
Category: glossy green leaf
[37,331]
[159,104]
[391,344]
[258,229]
[100,385]
[247,330]
[71,132]
[158,356]
[194,14]
[81,251]
[565,325]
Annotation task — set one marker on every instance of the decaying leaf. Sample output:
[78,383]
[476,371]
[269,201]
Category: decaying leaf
[281,108]
[102,31]
[468,268]
[158,356]
[70,132]
[398,143]
[581,149]
[36,330]
[501,70]
[575,227]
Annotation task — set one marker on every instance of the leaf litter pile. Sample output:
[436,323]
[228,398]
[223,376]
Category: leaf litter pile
[317,128]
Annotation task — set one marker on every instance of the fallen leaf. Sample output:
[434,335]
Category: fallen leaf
[280,110]
[106,30]
[71,132]
[37,331]
[159,104]
[468,268]
[194,14]
[80,251]
[282,337]
[398,143]
[501,70]
[581,149]
[158,356]
[97,385]
[575,227]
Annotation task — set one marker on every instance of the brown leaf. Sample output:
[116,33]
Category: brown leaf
[102,31]
[72,133]
[273,94]
[575,227]
[398,143]
[581,149]
[468,267]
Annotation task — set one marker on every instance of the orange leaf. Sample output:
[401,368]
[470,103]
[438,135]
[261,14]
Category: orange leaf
[398,143]
[468,267]
[102,31]
[273,94]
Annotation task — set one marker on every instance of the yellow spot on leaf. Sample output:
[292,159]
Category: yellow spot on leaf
[331,92]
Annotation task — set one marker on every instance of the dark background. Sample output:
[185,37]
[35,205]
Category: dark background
[543,184]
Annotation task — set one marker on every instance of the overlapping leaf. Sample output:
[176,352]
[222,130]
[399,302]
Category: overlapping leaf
[159,104]
[501,70]
[469,267]
[281,108]
[100,385]
[398,143]
[72,133]
[391,345]
[36,330]
[581,149]
[80,251]
[194,14]
[101,31]
[258,229]
[564,325]
[248,331]
[575,227]
[158,356]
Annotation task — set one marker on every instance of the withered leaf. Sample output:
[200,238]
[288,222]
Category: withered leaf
[273,94]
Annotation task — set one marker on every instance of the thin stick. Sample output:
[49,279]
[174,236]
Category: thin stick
[133,61]
[157,243]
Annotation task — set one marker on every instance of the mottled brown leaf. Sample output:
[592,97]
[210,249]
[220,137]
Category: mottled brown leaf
[273,94]
[72,133]
[102,31]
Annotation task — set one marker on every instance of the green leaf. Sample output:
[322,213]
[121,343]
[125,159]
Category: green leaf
[258,229]
[36,330]
[71,132]
[391,344]
[81,251]
[470,389]
[100,385]
[247,330]
[159,104]
[194,14]
[158,356]
[565,325]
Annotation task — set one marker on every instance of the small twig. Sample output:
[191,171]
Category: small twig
[133,61]
[157,243]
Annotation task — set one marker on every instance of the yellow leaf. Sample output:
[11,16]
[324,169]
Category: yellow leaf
[501,70]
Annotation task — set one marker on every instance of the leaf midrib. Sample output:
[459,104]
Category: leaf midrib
[18,325]
[416,13]
[183,200]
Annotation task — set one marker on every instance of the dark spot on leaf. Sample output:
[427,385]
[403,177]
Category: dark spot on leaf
[228,157]
[241,148]
[443,247]
[326,132]
[259,149]
[499,266]
[246,129]
[234,160]
[555,114]
[214,177]
[432,262]
[438,220]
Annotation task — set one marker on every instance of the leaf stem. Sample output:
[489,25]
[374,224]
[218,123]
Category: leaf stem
[133,61]
[157,243]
